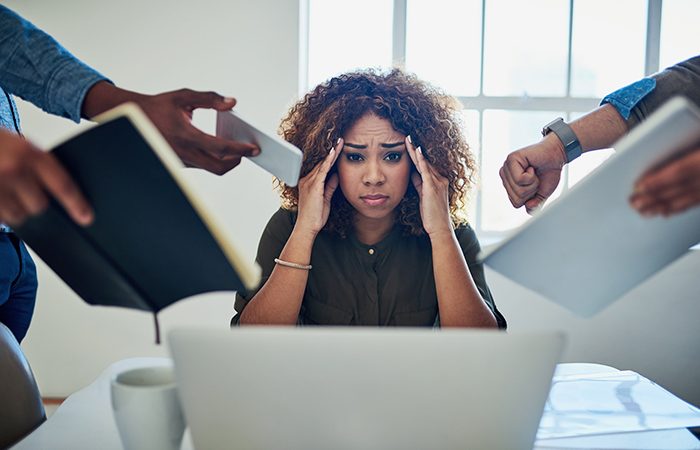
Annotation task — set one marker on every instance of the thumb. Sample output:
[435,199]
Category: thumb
[198,99]
[535,204]
[528,177]
[331,186]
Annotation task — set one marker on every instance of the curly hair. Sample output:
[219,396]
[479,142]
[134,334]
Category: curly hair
[412,107]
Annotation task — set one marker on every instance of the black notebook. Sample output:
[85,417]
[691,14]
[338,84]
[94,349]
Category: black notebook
[152,242]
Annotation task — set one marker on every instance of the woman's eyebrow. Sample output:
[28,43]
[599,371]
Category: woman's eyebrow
[364,146]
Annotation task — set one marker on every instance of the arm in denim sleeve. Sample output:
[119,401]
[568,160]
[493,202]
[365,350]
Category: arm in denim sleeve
[38,69]
[638,100]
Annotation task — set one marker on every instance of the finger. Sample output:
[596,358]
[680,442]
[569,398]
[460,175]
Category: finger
[413,153]
[651,206]
[417,181]
[664,196]
[517,193]
[30,195]
[517,170]
[197,99]
[217,147]
[513,196]
[319,172]
[330,159]
[331,186]
[338,150]
[59,184]
[411,150]
[535,204]
[670,191]
[683,203]
[429,174]
[422,165]
[11,211]
[198,159]
[673,173]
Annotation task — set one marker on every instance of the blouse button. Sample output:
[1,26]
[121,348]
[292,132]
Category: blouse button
[370,251]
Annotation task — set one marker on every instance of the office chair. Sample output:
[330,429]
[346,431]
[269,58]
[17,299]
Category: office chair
[21,409]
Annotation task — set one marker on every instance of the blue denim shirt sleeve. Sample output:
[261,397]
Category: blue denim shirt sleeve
[625,99]
[38,69]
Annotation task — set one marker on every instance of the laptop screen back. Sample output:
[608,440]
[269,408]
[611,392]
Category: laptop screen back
[323,388]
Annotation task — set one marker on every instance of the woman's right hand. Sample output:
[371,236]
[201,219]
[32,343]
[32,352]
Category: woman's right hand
[315,192]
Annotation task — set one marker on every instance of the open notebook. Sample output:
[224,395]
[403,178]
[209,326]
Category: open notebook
[589,247]
[152,242]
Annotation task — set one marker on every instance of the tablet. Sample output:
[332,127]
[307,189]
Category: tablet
[277,156]
[589,247]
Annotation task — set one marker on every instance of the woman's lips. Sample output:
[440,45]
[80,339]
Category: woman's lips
[374,199]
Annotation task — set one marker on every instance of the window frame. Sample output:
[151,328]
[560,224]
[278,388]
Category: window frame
[481,102]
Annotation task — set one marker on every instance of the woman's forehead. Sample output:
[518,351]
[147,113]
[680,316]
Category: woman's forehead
[370,125]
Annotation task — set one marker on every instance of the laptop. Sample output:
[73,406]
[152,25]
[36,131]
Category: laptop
[589,247]
[363,388]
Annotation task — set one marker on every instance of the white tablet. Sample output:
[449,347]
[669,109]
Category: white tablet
[277,156]
[589,247]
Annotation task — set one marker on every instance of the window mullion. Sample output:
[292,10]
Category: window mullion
[482,102]
[480,109]
[569,77]
[479,199]
[398,46]
[569,57]
[653,44]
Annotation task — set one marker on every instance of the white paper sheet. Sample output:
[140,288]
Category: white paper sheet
[611,403]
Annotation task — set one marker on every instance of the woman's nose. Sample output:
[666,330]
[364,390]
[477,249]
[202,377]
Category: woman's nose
[373,174]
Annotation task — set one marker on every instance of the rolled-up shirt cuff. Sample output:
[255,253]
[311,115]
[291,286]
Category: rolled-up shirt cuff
[68,87]
[625,99]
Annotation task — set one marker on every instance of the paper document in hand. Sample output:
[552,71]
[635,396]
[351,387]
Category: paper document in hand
[277,156]
[611,403]
[590,247]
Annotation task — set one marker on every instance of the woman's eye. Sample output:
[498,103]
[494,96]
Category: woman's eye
[395,156]
[353,157]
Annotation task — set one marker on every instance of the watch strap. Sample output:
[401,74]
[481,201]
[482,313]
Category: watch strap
[572,146]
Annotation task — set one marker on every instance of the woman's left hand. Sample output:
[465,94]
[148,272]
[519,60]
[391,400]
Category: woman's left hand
[433,192]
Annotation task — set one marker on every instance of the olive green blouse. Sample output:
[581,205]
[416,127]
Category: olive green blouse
[389,283]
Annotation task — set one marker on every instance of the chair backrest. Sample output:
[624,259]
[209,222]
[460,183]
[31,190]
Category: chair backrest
[22,410]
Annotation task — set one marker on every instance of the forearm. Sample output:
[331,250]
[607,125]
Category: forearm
[38,69]
[459,301]
[279,301]
[104,96]
[599,129]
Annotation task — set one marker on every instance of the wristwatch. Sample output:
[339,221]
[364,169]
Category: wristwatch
[572,147]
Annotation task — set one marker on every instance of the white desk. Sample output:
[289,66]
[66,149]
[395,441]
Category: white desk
[85,421]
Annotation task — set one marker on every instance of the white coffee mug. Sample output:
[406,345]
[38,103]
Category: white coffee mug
[147,409]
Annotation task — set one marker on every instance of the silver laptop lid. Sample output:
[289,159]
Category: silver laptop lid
[363,388]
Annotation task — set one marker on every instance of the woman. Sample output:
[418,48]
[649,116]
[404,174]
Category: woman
[374,233]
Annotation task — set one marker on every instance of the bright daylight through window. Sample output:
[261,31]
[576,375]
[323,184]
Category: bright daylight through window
[515,65]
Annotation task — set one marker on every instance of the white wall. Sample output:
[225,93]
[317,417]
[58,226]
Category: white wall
[249,50]
[243,49]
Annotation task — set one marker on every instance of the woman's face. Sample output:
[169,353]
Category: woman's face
[374,168]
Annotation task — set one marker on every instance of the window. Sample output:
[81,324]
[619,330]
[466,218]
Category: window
[514,65]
